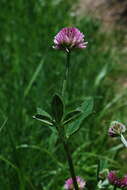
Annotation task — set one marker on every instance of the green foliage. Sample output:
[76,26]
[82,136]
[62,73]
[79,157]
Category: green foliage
[31,72]
[44,119]
[86,108]
[71,116]
[57,108]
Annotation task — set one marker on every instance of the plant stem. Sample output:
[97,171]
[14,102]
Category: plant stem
[71,166]
[66,73]
[115,188]
[64,141]
[98,170]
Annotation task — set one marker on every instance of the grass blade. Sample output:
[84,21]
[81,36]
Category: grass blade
[37,71]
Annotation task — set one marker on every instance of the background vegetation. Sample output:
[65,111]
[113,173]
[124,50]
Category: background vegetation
[31,72]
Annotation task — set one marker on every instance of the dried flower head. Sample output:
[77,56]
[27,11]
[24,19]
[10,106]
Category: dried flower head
[68,39]
[117,181]
[116,129]
[69,183]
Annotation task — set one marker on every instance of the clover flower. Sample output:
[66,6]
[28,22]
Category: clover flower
[116,129]
[124,182]
[68,39]
[116,181]
[69,183]
[112,177]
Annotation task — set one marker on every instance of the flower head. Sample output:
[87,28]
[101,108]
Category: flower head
[69,183]
[116,129]
[124,181]
[112,177]
[68,39]
[117,181]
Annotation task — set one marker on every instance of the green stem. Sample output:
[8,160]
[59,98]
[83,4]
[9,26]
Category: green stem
[66,74]
[98,170]
[115,188]
[71,166]
[65,144]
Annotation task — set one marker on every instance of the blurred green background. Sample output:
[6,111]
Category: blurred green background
[31,71]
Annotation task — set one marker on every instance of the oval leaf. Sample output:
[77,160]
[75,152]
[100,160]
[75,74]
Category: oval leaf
[44,119]
[71,116]
[57,108]
[43,112]
[86,108]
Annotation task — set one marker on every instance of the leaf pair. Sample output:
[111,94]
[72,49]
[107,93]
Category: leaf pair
[57,108]
[58,112]
[73,119]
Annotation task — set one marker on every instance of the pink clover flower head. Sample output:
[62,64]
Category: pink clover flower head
[124,182]
[116,129]
[112,177]
[68,39]
[69,183]
[115,180]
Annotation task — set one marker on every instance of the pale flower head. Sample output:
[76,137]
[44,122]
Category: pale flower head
[116,129]
[68,39]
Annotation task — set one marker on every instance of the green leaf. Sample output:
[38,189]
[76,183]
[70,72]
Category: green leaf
[43,112]
[86,108]
[71,116]
[103,164]
[57,108]
[123,140]
[44,119]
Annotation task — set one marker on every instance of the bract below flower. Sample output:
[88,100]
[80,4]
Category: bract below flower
[68,39]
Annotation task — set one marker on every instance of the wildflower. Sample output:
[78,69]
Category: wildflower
[116,129]
[68,39]
[124,182]
[69,183]
[112,177]
[116,181]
